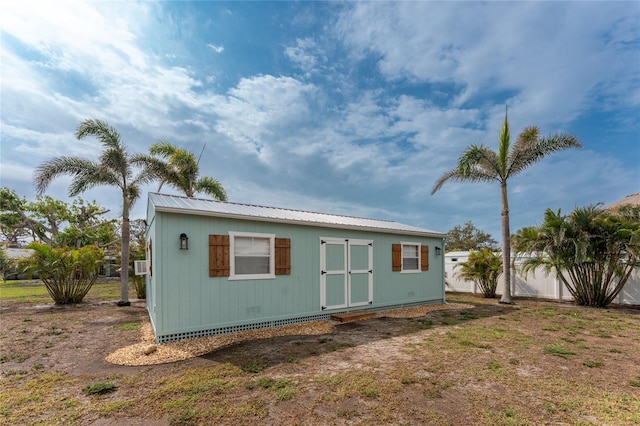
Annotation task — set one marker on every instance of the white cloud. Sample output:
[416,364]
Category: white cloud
[303,54]
[328,139]
[543,53]
[217,49]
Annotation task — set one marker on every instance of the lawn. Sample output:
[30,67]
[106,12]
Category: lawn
[485,363]
[34,292]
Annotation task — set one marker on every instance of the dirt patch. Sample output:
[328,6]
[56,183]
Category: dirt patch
[145,352]
[476,362]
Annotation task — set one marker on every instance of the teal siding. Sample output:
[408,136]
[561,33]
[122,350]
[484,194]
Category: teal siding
[185,299]
[151,281]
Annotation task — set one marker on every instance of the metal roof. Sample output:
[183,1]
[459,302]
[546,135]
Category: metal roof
[204,207]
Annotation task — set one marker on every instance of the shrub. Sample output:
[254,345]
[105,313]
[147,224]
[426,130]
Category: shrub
[5,264]
[68,274]
[483,267]
[140,283]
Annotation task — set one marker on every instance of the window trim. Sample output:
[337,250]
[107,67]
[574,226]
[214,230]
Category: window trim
[232,257]
[419,254]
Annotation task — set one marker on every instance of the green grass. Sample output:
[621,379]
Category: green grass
[18,291]
[558,350]
[253,366]
[99,388]
[29,293]
[128,326]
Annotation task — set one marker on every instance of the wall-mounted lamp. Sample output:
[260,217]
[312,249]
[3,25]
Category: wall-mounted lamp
[438,251]
[184,242]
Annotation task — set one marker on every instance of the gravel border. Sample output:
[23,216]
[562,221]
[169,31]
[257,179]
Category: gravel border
[146,352]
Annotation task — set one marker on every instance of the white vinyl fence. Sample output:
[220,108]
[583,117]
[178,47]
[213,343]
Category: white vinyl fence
[537,284]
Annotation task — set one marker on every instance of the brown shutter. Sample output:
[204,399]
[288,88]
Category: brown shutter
[396,257]
[424,259]
[283,256]
[150,258]
[219,265]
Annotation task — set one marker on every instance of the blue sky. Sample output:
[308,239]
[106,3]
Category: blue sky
[351,108]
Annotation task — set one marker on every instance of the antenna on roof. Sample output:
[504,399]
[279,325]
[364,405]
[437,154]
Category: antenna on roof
[201,152]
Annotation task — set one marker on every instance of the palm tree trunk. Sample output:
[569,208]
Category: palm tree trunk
[506,247]
[124,255]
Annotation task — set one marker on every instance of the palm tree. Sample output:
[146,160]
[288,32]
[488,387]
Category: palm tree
[480,164]
[592,251]
[114,168]
[179,168]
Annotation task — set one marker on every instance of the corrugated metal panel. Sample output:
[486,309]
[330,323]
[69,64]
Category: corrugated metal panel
[198,206]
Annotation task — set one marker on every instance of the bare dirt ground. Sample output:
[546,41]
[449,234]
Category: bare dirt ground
[478,363]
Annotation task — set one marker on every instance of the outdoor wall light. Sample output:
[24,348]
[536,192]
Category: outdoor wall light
[184,242]
[438,251]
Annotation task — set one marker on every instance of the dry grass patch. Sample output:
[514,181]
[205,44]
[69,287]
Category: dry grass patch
[481,363]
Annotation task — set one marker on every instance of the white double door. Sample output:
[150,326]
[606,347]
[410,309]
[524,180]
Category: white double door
[346,273]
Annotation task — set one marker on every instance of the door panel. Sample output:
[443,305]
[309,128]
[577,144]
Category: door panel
[335,291]
[359,259]
[333,273]
[359,289]
[360,270]
[346,273]
[335,256]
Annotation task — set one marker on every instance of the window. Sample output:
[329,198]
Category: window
[241,255]
[409,257]
[252,255]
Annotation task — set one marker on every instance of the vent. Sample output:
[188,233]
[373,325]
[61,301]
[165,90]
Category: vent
[140,267]
[253,310]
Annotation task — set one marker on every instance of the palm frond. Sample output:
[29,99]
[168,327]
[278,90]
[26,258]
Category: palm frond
[162,149]
[527,139]
[91,179]
[58,166]
[528,155]
[117,162]
[108,136]
[178,168]
[476,164]
[133,194]
[505,143]
[212,187]
[476,175]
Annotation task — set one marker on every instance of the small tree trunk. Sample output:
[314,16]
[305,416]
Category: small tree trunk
[506,247]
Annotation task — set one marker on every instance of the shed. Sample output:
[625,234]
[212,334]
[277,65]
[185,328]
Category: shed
[218,267]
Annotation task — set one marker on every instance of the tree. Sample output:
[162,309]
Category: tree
[483,267]
[467,237]
[179,168]
[12,217]
[114,168]
[68,274]
[53,221]
[86,226]
[478,163]
[592,250]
